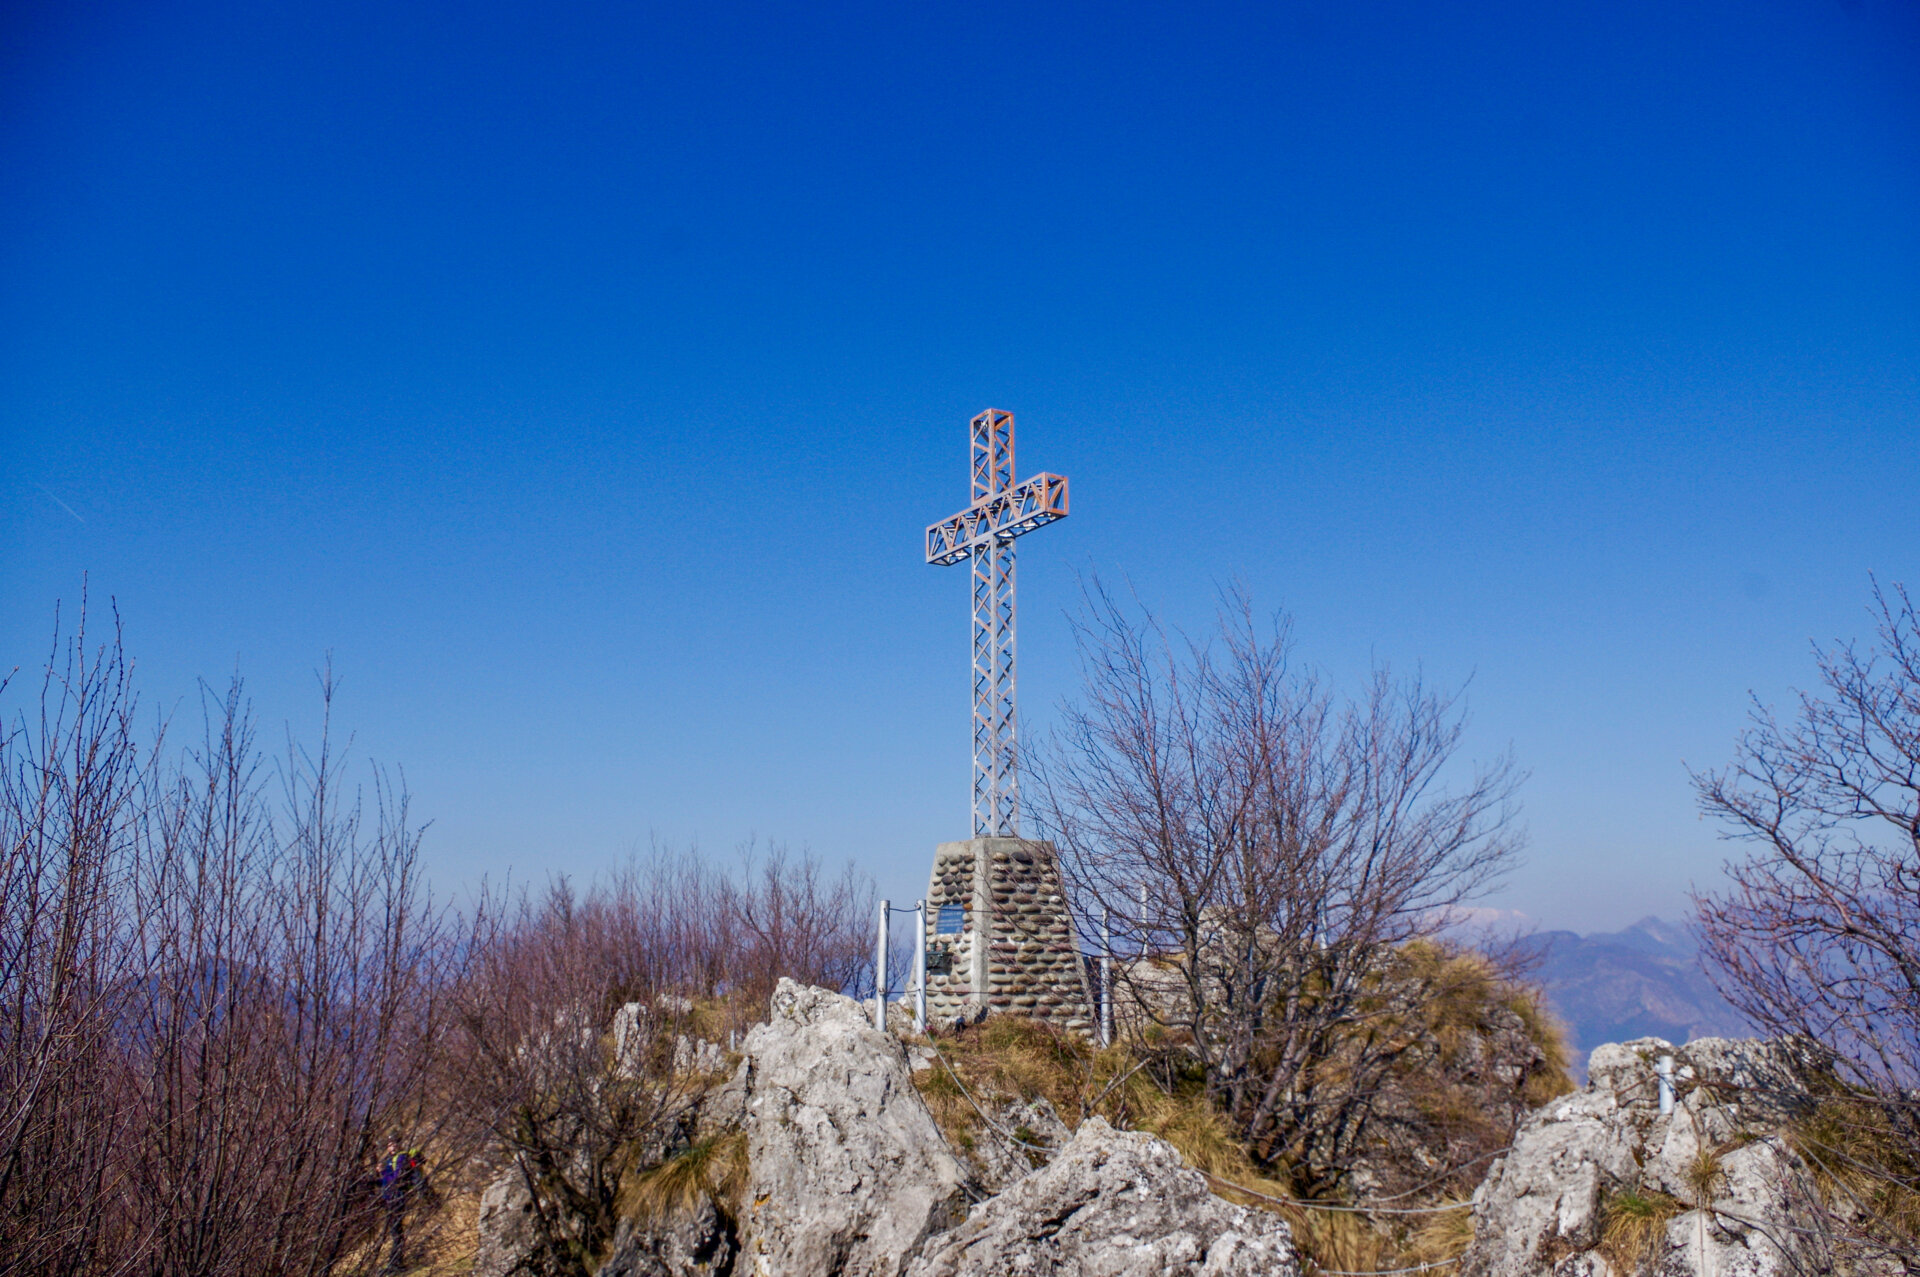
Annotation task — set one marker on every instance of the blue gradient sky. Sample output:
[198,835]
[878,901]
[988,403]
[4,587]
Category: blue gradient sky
[581,378]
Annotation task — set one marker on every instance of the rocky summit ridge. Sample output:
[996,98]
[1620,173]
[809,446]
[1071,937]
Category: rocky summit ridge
[1604,1183]
[847,1174]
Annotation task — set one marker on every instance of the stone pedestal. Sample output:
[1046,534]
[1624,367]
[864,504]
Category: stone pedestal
[997,921]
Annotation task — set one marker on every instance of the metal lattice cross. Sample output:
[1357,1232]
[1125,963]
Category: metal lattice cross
[983,535]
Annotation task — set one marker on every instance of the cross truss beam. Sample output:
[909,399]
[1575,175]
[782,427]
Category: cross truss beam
[983,535]
[1000,517]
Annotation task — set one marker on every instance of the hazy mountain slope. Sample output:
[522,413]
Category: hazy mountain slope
[1643,981]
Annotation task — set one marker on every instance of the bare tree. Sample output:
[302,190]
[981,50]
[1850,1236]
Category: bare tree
[210,1007]
[785,917]
[575,1102]
[1817,935]
[224,985]
[1260,850]
[73,779]
[292,969]
[579,1009]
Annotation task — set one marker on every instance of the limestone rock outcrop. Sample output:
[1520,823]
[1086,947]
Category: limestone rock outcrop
[506,1227]
[1112,1204]
[634,1028]
[1024,1135]
[849,1173]
[1600,1183]
[692,1242]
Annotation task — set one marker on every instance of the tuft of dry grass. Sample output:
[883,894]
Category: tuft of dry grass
[1192,1125]
[1555,1079]
[715,1167]
[1631,1226]
[1341,1242]
[1465,987]
[1008,1058]
[1441,1238]
[1702,1174]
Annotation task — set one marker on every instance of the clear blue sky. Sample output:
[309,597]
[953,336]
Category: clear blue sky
[581,377]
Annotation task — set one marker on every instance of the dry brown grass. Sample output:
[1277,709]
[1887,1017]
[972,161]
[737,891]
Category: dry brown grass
[1349,1241]
[1703,1174]
[1344,1241]
[1466,987]
[715,1167]
[1631,1226]
[1009,1058]
[1014,1058]
[1441,1237]
[1341,1242]
[441,1241]
[1863,1168]
[449,1250]
[1546,1031]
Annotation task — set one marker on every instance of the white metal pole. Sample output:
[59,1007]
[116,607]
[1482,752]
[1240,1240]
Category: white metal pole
[1663,1069]
[880,972]
[920,966]
[1106,978]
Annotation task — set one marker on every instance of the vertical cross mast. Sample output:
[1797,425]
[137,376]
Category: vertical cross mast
[982,535]
[996,775]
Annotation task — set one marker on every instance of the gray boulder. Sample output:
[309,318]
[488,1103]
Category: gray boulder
[694,1241]
[1112,1204]
[1732,1192]
[1023,1135]
[1751,1223]
[697,1055]
[506,1228]
[1546,1192]
[849,1174]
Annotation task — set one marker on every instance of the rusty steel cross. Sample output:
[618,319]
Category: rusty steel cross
[983,535]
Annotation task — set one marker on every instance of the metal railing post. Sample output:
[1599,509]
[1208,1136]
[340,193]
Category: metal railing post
[880,972]
[920,966]
[1106,978]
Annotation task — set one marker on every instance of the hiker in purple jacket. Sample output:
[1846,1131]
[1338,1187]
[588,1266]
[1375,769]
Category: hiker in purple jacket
[401,1181]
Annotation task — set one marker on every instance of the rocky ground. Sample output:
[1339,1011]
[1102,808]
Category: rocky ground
[849,1176]
[845,1172]
[1603,1183]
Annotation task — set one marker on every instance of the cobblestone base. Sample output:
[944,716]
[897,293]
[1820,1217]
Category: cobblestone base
[1015,951]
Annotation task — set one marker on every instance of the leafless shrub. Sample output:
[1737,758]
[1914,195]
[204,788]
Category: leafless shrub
[223,986]
[72,782]
[212,1006]
[539,1067]
[293,967]
[1817,935]
[1261,849]
[575,1010]
[785,917]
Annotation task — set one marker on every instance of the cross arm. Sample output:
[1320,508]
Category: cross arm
[999,516]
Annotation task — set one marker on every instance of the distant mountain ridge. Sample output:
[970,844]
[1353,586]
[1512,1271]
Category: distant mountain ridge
[1642,981]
